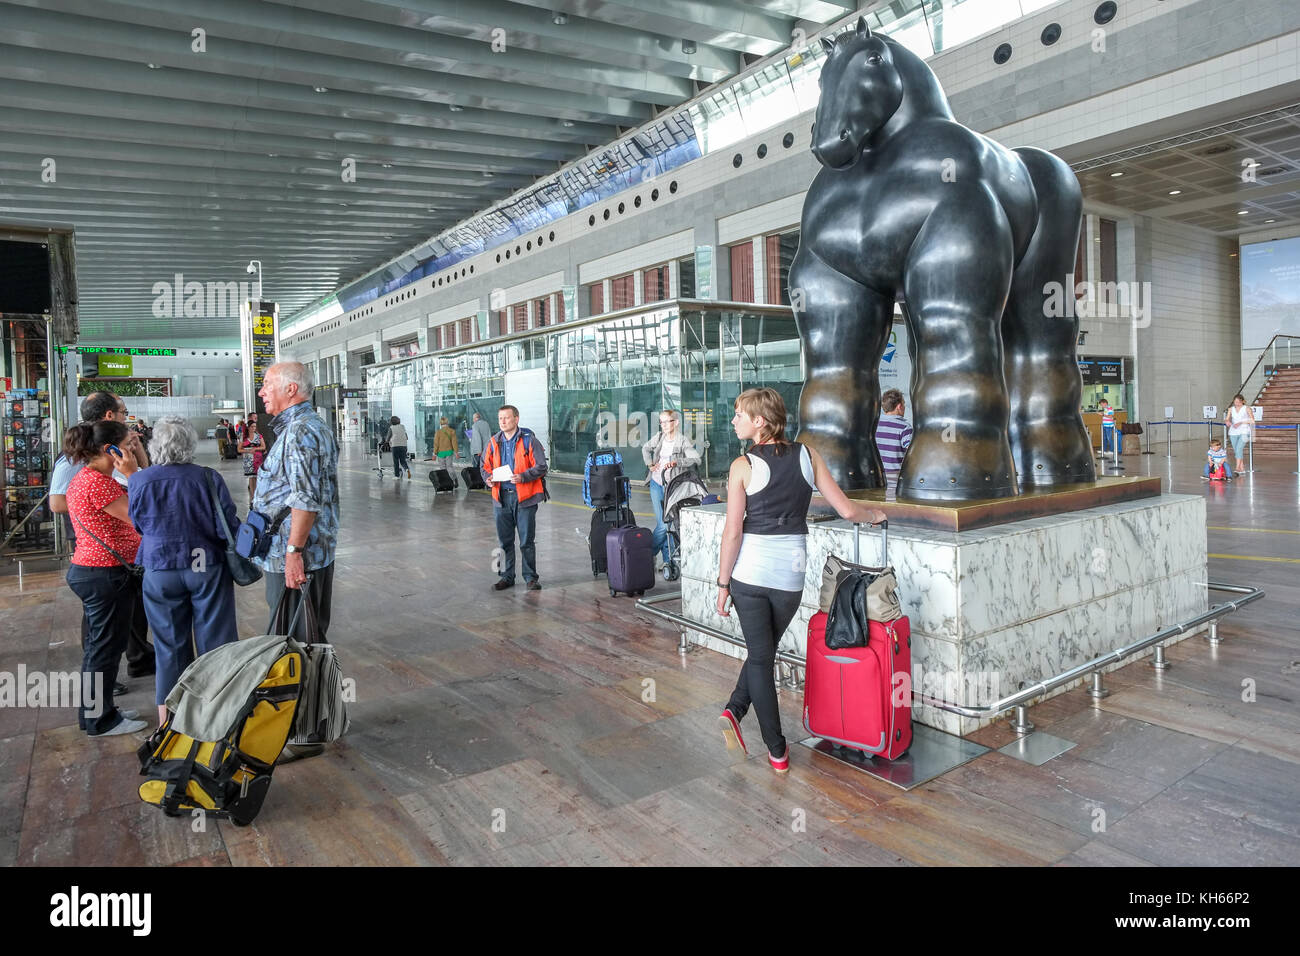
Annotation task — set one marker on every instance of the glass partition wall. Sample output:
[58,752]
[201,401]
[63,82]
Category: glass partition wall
[609,379]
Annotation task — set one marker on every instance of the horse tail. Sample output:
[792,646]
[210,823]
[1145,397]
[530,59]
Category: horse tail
[1039,331]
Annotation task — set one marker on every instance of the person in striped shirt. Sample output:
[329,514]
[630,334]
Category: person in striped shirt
[893,433]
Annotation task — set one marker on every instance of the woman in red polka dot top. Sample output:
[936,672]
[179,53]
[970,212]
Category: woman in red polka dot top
[100,573]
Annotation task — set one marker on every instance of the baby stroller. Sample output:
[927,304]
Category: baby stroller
[683,488]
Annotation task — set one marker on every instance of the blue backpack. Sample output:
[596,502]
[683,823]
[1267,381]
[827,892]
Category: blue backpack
[605,466]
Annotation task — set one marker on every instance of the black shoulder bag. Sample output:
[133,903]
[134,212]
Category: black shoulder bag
[242,570]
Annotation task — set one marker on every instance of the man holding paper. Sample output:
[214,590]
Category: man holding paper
[513,466]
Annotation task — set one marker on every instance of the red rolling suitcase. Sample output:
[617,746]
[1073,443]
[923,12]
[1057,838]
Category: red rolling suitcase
[861,697]
[630,556]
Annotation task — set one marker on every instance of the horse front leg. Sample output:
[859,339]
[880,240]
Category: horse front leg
[955,288]
[844,327]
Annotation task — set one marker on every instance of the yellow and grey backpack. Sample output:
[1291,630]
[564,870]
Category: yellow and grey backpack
[230,715]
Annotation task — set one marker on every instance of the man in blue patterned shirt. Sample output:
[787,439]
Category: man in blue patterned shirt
[299,473]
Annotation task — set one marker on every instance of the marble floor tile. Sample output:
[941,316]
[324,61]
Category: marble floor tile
[1224,719]
[378,834]
[941,824]
[1098,853]
[132,834]
[474,818]
[1131,746]
[1067,790]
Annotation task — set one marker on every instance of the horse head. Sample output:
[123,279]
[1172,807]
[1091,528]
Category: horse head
[861,88]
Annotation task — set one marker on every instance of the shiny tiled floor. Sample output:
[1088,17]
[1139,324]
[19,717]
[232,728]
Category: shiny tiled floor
[519,727]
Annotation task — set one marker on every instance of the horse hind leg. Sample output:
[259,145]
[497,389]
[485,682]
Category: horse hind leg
[1045,427]
[844,328]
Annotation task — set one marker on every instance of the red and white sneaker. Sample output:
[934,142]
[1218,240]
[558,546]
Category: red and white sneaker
[781,764]
[731,732]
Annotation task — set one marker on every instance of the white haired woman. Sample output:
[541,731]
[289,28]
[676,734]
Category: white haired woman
[187,586]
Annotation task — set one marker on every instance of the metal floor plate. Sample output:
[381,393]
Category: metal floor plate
[1037,748]
[932,754]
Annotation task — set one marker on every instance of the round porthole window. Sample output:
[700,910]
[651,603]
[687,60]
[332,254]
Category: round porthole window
[737,160]
[1051,33]
[606,216]
[1105,13]
[654,195]
[591,220]
[551,236]
[787,140]
[1002,54]
[762,150]
[637,202]
[621,207]
[672,186]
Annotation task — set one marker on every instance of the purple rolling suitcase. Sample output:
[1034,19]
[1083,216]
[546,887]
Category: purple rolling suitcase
[630,559]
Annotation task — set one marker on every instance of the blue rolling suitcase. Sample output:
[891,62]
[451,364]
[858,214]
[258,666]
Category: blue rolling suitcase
[630,560]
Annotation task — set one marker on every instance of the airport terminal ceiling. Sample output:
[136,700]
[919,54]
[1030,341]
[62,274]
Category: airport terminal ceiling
[185,138]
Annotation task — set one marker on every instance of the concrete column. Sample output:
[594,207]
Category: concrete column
[760,270]
[638,289]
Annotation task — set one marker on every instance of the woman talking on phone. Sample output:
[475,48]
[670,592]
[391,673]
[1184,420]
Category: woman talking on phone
[764,552]
[101,572]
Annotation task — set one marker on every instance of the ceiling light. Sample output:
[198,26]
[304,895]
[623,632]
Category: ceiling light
[688,46]
[1270,220]
[456,109]
[488,174]
[1115,175]
[154,66]
[1242,212]
[1174,192]
[559,19]
[386,165]
[568,124]
[320,89]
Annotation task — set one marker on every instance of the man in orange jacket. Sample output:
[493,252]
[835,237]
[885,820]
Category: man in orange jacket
[517,499]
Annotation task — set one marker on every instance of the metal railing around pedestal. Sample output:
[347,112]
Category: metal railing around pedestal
[1020,700]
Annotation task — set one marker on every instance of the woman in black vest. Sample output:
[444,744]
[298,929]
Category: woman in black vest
[764,554]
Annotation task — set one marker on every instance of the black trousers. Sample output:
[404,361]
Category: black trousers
[139,652]
[764,615]
[107,596]
[321,589]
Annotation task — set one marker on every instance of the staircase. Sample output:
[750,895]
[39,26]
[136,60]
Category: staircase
[1280,399]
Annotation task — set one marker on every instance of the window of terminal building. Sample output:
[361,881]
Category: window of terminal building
[1107,264]
[622,292]
[596,298]
[559,307]
[542,312]
[519,317]
[465,331]
[654,284]
[742,272]
[778,254]
[502,322]
[686,278]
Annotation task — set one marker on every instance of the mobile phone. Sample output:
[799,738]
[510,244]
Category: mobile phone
[116,451]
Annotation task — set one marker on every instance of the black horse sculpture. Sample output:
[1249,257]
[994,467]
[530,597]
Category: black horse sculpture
[967,234]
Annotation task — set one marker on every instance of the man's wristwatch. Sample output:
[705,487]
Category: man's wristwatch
[293,549]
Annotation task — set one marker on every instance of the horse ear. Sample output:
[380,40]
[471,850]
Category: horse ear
[828,44]
[864,31]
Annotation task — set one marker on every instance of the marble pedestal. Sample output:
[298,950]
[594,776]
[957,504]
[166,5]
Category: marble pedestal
[994,608]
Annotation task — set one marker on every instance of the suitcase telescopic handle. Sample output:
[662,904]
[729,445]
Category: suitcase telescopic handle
[884,542]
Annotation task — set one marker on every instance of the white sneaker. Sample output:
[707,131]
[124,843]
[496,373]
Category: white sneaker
[123,726]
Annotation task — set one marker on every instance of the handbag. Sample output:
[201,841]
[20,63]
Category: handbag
[242,570]
[880,600]
[137,570]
